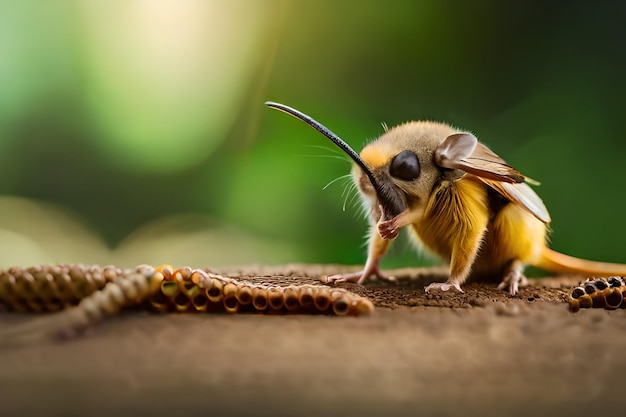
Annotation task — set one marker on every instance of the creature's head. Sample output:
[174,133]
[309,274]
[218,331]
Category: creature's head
[403,161]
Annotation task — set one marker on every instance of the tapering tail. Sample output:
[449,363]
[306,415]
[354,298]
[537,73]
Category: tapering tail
[557,262]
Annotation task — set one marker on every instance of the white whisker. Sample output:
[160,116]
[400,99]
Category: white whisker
[345,194]
[322,156]
[335,180]
[329,149]
[352,192]
[350,195]
[332,153]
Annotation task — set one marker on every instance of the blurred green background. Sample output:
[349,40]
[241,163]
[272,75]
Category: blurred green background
[135,131]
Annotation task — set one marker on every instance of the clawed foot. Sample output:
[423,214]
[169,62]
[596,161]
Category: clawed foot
[357,277]
[443,288]
[388,229]
[512,281]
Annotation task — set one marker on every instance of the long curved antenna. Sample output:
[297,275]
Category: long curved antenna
[390,204]
[326,132]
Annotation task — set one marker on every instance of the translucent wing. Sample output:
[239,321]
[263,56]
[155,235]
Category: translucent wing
[462,151]
[523,195]
[484,163]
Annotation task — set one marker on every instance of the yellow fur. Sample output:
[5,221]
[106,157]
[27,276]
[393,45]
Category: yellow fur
[454,223]
[373,157]
[513,234]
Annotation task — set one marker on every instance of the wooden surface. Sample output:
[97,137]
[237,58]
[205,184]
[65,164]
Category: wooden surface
[483,353]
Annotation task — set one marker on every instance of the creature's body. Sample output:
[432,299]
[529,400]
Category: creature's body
[460,200]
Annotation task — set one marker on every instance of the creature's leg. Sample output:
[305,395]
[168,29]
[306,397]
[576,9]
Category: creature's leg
[514,277]
[381,236]
[520,240]
[390,229]
[463,255]
[376,249]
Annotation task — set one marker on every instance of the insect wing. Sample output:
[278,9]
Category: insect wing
[486,164]
[523,195]
[462,151]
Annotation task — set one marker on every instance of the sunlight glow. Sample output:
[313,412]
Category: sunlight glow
[164,77]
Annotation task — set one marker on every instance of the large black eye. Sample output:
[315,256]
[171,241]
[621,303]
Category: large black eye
[405,166]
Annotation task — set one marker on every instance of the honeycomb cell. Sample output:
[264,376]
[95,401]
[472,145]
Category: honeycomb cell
[599,293]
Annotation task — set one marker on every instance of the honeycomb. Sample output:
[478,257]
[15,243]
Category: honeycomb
[185,289]
[599,293]
[84,295]
[47,288]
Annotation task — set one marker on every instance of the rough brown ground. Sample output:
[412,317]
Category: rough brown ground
[483,353]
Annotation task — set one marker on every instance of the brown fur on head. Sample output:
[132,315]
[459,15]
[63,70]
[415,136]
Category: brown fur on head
[420,137]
